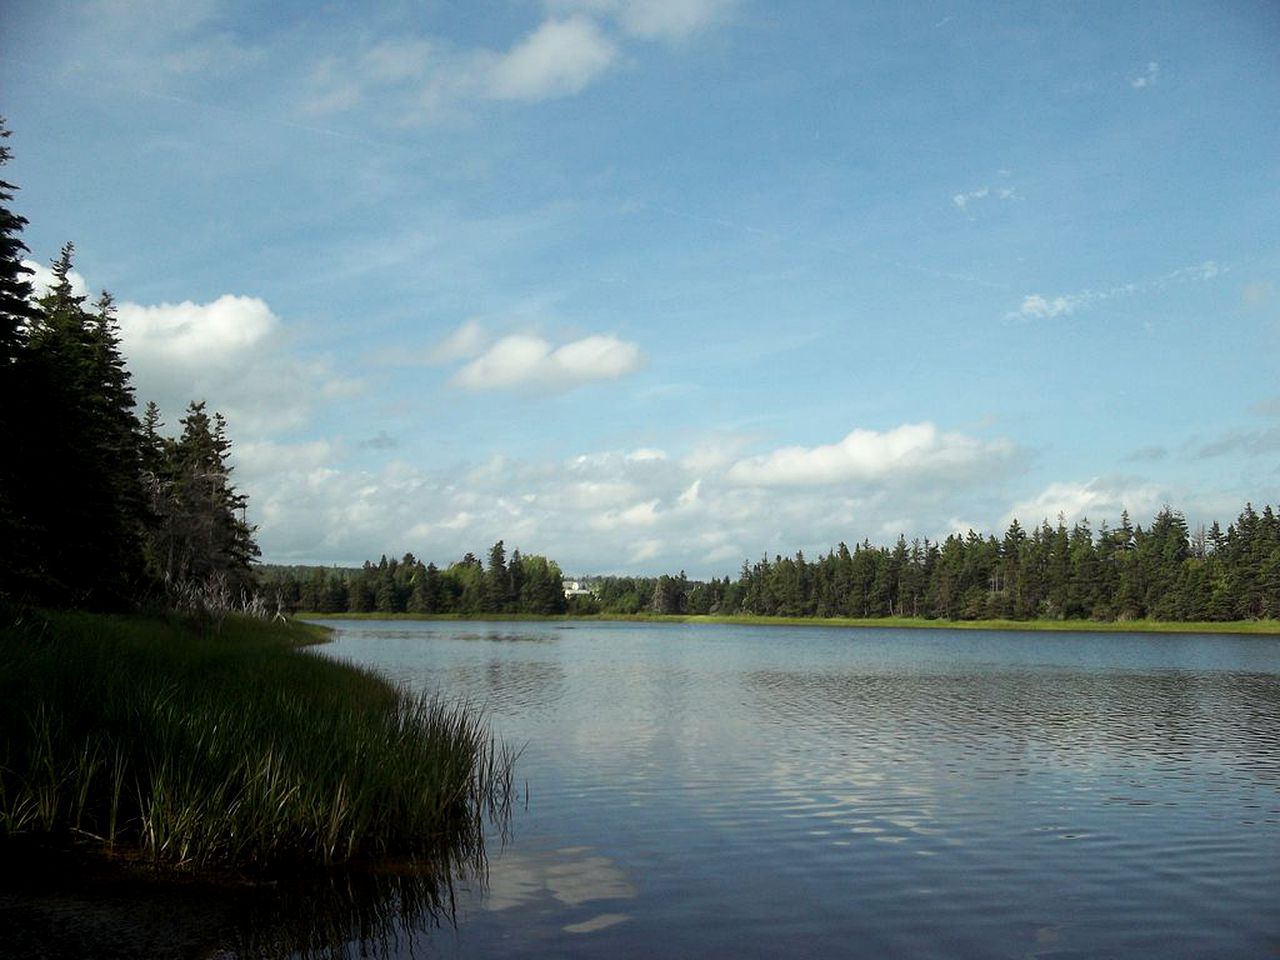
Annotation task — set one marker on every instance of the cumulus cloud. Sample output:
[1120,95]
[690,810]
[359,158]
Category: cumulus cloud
[1095,499]
[42,280]
[558,59]
[909,451]
[638,510]
[523,360]
[232,352]
[195,334]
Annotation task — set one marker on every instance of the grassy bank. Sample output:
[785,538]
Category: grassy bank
[1270,627]
[228,747]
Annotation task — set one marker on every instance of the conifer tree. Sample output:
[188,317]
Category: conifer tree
[16,310]
[81,502]
[200,533]
[16,313]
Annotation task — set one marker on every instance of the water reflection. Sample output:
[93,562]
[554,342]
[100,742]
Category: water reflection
[569,875]
[376,913]
[727,793]
[497,635]
[517,687]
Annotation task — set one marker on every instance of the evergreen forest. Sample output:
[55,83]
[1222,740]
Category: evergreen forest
[1161,572]
[99,510]
[520,585]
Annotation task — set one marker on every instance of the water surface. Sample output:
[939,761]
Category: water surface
[725,791]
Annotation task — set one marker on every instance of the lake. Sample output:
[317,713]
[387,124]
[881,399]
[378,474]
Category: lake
[726,791]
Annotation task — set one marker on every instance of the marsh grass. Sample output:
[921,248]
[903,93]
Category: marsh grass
[185,745]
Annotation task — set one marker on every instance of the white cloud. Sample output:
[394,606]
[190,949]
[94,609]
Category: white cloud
[234,353]
[690,496]
[42,280]
[963,201]
[558,59]
[910,451]
[645,551]
[600,511]
[1148,78]
[189,333]
[393,61]
[421,76]
[523,360]
[465,342]
[1094,499]
[157,45]
[256,460]
[1035,306]
[645,514]
[671,20]
[416,77]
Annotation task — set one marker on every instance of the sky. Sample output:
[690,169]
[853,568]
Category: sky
[673,284]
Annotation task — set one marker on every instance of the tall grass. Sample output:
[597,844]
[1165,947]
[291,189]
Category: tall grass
[164,740]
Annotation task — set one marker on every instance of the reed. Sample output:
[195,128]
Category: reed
[208,747]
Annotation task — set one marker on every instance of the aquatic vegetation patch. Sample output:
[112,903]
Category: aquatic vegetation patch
[184,745]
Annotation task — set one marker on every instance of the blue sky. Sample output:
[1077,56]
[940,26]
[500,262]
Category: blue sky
[658,285]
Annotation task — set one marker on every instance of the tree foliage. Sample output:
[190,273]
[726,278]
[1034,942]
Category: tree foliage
[1050,571]
[525,584]
[97,509]
[1163,572]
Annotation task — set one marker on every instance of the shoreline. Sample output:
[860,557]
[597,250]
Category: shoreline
[1220,627]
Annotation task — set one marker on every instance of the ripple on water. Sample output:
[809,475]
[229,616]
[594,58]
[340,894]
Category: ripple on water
[808,793]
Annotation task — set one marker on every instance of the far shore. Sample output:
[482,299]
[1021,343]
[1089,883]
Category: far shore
[1252,627]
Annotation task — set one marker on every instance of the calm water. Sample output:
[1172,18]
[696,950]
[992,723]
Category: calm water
[720,791]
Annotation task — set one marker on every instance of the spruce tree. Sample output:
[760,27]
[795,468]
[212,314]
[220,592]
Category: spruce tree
[16,309]
[201,537]
[80,499]
[16,314]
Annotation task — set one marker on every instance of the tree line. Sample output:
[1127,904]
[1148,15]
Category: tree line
[98,509]
[1162,572]
[520,584]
